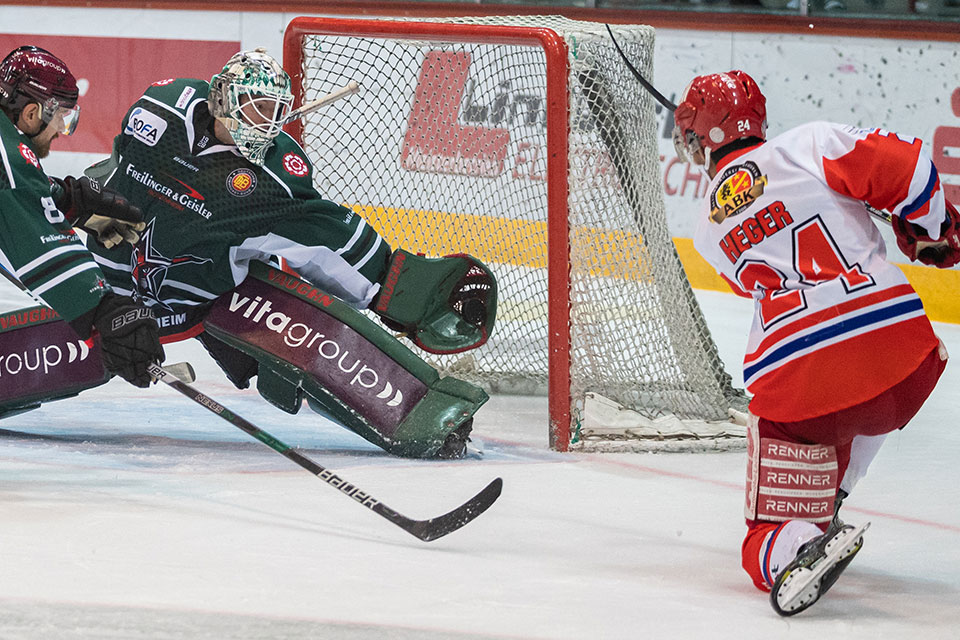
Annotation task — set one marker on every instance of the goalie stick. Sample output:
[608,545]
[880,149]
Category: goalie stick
[344,91]
[426,530]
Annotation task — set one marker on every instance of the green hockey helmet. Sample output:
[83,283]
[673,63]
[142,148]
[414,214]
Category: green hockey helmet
[251,97]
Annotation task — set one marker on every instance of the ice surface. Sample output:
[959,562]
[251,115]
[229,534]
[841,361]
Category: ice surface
[138,514]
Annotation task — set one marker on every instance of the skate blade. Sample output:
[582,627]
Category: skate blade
[802,587]
[474,449]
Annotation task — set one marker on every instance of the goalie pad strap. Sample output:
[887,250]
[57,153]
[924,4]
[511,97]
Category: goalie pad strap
[788,480]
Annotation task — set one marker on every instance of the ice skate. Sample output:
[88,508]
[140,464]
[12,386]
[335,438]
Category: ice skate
[455,445]
[817,566]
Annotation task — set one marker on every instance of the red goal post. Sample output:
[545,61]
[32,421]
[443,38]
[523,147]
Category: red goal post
[557,116]
[574,230]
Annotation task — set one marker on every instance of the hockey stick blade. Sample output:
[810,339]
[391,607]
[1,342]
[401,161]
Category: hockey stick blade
[425,530]
[440,526]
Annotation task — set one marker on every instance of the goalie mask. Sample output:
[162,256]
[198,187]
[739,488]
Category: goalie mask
[251,97]
[718,109]
[31,74]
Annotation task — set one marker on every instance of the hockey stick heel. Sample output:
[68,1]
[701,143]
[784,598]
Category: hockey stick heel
[425,530]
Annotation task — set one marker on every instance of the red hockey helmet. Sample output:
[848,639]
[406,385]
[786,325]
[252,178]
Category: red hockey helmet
[718,109]
[31,74]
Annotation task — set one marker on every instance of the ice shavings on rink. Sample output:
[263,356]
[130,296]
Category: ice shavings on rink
[137,514]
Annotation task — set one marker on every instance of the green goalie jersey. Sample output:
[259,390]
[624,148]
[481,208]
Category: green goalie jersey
[36,243]
[209,212]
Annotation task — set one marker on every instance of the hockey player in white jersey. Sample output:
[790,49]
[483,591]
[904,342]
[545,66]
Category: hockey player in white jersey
[840,352]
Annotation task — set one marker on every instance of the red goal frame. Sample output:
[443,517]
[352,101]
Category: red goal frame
[557,116]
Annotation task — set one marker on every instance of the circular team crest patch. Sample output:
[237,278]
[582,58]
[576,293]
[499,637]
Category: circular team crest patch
[738,187]
[241,182]
[29,155]
[295,165]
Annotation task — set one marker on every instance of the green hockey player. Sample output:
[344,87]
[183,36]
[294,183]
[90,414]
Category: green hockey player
[38,245]
[224,191]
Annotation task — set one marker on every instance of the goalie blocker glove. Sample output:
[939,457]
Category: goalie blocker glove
[129,337]
[916,244]
[99,211]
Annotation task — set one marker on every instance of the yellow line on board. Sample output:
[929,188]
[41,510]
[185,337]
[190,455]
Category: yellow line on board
[502,240]
[523,243]
[938,288]
[489,238]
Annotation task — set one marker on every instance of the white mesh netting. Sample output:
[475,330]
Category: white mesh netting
[444,150]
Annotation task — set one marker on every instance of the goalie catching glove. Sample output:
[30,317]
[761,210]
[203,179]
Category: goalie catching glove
[916,244]
[99,211]
[445,305]
[129,337]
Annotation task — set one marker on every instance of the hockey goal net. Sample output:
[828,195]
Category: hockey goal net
[524,141]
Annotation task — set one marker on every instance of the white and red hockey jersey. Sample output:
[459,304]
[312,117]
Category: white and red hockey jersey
[835,324]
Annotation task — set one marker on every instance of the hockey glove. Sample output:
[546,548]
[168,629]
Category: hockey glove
[916,244]
[445,305]
[100,211]
[129,337]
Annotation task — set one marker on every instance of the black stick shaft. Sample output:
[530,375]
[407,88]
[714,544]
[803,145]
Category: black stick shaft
[880,215]
[426,530]
[643,81]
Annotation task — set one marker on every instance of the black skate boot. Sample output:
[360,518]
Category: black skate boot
[455,445]
[817,566]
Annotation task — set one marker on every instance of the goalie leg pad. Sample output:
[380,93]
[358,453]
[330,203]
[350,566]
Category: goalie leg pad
[348,368]
[278,391]
[788,480]
[42,359]
[236,365]
[445,305]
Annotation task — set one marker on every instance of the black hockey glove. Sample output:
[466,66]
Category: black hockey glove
[129,337]
[99,211]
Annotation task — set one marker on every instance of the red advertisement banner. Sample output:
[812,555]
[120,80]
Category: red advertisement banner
[113,72]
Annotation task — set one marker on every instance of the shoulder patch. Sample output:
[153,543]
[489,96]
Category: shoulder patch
[185,96]
[177,93]
[145,126]
[295,165]
[29,155]
[739,186]
[288,164]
